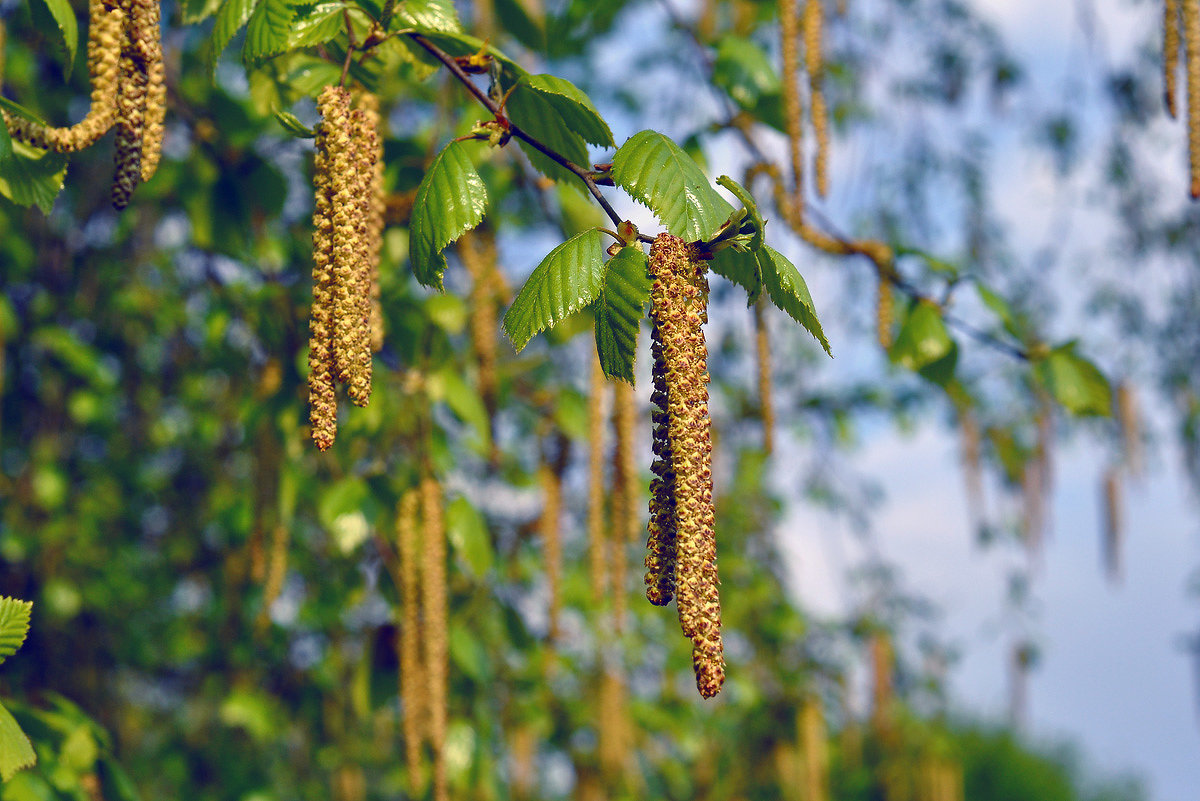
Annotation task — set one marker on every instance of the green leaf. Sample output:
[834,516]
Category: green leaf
[32,177]
[623,295]
[515,19]
[429,15]
[744,71]
[232,15]
[19,110]
[787,290]
[468,535]
[450,387]
[572,105]
[747,200]
[14,625]
[291,123]
[323,23]
[923,339]
[6,147]
[740,267]
[268,32]
[539,116]
[659,175]
[196,11]
[115,783]
[68,29]
[310,75]
[1075,382]
[568,279]
[450,201]
[15,751]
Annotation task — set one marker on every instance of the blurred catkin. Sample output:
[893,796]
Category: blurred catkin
[814,23]
[434,610]
[789,28]
[106,31]
[679,297]
[762,347]
[885,311]
[1191,37]
[1170,54]
[1129,421]
[276,572]
[881,681]
[661,543]
[548,528]
[626,520]
[597,531]
[1113,523]
[412,694]
[477,249]
[814,749]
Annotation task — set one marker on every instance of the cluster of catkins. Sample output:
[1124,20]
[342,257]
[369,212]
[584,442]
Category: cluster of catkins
[345,326]
[682,557]
[125,61]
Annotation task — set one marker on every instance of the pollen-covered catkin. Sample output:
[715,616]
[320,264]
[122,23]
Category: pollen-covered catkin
[322,397]
[434,611]
[814,24]
[477,249]
[789,27]
[679,297]
[150,48]
[1191,38]
[814,749]
[762,348]
[411,669]
[105,33]
[1170,53]
[885,313]
[660,544]
[368,102]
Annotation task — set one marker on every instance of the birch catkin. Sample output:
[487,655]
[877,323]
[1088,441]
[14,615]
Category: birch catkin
[597,534]
[789,27]
[1191,36]
[1170,53]
[679,297]
[626,519]
[376,205]
[885,312]
[661,544]
[411,659]
[434,611]
[814,748]
[322,398]
[150,49]
[106,28]
[133,84]
[814,24]
[548,526]
[762,347]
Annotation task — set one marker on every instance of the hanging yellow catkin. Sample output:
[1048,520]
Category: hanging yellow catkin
[133,83]
[885,313]
[972,461]
[814,64]
[625,515]
[597,531]
[661,542]
[1170,53]
[1191,37]
[322,397]
[434,611]
[814,749]
[789,27]
[478,252]
[106,31]
[881,681]
[276,572]
[412,691]
[150,48]
[1113,523]
[549,529]
[762,348]
[1129,420]
[613,731]
[679,298]
[368,102]
[522,747]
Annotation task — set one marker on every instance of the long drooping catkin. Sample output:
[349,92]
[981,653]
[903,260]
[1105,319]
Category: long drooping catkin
[814,749]
[814,24]
[1129,421]
[478,252]
[412,694]
[133,85]
[661,542]
[1170,53]
[613,747]
[885,313]
[881,681]
[789,28]
[762,349]
[597,531]
[972,459]
[434,610]
[368,102]
[1191,38]
[548,527]
[105,35]
[679,297]
[322,397]
[150,48]
[1113,523]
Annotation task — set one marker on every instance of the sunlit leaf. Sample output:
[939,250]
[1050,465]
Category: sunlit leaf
[450,201]
[923,339]
[619,310]
[788,291]
[568,279]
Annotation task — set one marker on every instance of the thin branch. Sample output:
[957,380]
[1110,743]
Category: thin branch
[583,173]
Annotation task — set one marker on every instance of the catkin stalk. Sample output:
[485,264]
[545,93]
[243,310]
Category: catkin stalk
[408,546]
[434,612]
[679,297]
[1191,36]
